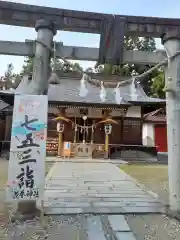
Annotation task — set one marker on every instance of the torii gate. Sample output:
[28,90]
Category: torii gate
[112,29]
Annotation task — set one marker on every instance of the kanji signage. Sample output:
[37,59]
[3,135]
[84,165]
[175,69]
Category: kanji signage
[108,129]
[60,127]
[26,171]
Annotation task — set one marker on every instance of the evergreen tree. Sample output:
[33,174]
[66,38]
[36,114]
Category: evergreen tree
[157,85]
[9,72]
[132,43]
[76,67]
[10,79]
[27,67]
[56,65]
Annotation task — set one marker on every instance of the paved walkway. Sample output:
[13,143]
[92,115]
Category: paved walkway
[90,187]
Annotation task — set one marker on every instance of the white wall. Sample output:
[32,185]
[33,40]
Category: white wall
[134,111]
[148,135]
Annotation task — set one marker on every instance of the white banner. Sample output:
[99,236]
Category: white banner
[26,171]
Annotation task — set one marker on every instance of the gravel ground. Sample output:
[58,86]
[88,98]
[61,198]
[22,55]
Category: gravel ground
[56,228]
[154,227]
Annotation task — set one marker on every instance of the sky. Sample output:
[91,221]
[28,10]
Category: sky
[155,8]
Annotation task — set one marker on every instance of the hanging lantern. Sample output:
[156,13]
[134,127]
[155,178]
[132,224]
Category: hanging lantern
[103,93]
[108,129]
[84,117]
[118,94]
[83,90]
[60,127]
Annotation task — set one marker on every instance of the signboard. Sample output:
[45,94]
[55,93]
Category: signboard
[67,149]
[26,171]
[108,128]
[60,127]
[67,145]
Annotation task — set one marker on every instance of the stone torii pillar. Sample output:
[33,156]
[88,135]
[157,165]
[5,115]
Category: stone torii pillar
[171,41]
[41,68]
[38,86]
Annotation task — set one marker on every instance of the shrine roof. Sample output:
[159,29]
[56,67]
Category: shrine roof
[67,90]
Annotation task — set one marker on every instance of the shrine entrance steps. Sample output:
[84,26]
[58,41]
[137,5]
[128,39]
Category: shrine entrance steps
[86,187]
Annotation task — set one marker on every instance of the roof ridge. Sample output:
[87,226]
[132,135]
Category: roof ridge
[152,113]
[97,82]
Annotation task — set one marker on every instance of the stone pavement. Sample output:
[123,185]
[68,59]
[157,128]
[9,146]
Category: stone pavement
[92,188]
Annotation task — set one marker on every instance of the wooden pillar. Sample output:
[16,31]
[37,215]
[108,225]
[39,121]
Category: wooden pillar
[106,144]
[60,143]
[92,133]
[75,131]
[8,125]
[60,134]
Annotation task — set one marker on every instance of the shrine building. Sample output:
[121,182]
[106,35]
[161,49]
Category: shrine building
[89,126]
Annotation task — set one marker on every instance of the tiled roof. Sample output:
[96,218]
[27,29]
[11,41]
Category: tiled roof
[67,90]
[3,105]
[155,116]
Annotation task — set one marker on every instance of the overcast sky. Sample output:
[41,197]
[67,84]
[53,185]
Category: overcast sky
[158,8]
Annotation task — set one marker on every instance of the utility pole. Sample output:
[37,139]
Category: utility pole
[38,86]
[171,41]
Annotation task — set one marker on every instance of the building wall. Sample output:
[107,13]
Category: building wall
[155,135]
[148,135]
[133,111]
